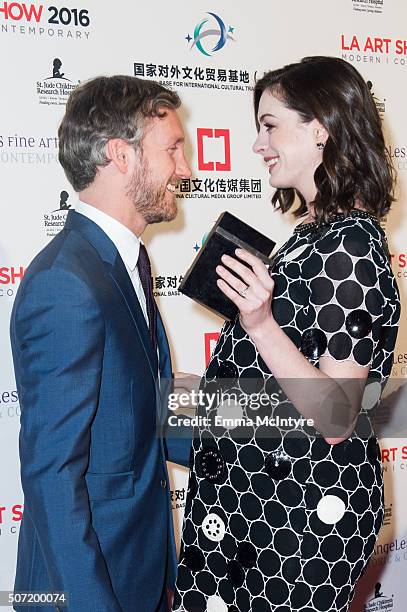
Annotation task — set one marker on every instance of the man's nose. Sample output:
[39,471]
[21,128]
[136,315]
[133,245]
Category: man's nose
[183,170]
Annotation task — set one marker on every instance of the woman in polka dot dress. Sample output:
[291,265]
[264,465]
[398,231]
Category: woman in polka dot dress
[281,518]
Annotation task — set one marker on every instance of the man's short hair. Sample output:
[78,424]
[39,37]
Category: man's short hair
[104,108]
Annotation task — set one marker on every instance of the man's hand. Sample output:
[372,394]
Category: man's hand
[186,387]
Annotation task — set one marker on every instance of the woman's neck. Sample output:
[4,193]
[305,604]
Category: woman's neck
[310,218]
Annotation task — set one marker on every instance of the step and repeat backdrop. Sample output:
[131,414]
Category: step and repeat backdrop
[211,53]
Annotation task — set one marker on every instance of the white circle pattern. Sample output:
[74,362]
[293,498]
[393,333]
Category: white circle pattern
[330,509]
[216,604]
[213,527]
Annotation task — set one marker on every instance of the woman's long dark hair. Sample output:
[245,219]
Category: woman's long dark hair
[356,165]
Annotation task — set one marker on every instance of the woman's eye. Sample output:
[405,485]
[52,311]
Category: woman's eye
[268,127]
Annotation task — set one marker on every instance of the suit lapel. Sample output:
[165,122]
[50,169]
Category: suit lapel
[122,280]
[117,270]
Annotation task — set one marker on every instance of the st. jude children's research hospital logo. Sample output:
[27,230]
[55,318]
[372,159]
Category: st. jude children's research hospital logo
[216,29]
[54,221]
[380,602]
[55,89]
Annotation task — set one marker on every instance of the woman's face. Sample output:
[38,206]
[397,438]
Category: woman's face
[288,146]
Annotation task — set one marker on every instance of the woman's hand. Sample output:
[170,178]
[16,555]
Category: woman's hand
[251,289]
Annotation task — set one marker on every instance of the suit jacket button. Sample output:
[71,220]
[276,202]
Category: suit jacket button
[163,483]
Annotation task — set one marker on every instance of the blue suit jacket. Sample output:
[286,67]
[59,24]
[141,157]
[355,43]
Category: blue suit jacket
[97,522]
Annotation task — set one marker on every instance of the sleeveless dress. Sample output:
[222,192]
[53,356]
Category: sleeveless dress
[276,519]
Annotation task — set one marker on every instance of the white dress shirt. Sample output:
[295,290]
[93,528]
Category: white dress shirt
[127,243]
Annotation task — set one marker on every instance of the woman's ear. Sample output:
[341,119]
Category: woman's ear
[320,134]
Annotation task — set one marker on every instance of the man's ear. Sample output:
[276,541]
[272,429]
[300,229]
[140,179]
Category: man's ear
[120,154]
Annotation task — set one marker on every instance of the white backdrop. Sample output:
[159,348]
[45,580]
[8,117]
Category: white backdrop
[47,49]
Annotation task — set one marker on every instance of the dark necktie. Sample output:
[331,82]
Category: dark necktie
[144,269]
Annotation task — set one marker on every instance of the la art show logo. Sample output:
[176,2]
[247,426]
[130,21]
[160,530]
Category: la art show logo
[10,518]
[359,48]
[10,278]
[394,458]
[39,20]
[54,89]
[399,264]
[210,35]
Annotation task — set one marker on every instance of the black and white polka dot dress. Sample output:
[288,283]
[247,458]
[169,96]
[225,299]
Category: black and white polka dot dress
[278,520]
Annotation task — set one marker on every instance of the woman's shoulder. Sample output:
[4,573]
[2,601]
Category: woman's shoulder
[356,239]
[358,234]
[359,224]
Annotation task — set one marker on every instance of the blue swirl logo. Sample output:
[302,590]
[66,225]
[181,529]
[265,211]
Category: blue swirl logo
[216,29]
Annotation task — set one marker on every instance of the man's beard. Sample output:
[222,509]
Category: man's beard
[149,199]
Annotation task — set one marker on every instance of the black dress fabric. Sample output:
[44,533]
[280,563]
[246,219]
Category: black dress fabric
[280,520]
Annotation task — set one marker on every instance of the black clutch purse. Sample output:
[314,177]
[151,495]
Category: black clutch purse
[228,234]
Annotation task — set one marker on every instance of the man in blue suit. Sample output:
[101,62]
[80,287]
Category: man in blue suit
[92,360]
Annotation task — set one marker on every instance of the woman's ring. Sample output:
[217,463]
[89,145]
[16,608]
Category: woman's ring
[243,292]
